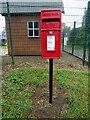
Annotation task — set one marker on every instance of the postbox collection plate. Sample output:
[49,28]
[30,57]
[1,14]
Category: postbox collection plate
[50,42]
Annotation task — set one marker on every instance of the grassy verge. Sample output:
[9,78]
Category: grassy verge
[76,85]
[19,86]
[18,89]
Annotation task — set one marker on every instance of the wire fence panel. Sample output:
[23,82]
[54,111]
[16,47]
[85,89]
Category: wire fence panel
[76,34]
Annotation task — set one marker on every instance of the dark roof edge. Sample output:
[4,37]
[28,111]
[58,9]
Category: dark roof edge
[15,14]
[33,13]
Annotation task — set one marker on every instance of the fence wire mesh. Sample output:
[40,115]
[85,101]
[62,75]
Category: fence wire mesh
[76,36]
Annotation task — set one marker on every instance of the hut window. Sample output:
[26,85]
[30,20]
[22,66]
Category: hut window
[33,28]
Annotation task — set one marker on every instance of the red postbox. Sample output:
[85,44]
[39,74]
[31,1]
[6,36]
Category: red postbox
[51,33]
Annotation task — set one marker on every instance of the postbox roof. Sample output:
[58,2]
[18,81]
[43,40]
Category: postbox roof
[30,6]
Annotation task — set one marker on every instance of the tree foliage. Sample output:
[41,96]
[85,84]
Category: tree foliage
[65,29]
[79,34]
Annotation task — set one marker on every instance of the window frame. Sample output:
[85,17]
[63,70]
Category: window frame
[33,29]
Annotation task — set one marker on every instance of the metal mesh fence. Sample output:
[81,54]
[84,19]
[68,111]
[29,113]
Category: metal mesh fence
[76,41]
[76,35]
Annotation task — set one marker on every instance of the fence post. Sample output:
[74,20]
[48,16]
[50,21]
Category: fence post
[73,41]
[9,22]
[86,34]
[89,55]
[63,41]
[88,37]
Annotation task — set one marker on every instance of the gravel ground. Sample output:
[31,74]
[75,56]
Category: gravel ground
[67,61]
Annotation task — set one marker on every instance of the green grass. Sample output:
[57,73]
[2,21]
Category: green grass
[19,86]
[76,85]
[18,89]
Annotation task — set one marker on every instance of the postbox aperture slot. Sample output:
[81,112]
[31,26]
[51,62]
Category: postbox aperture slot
[51,20]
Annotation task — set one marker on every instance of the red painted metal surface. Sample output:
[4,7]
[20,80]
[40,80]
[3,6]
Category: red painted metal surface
[51,34]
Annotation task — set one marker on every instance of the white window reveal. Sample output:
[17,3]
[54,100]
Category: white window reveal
[33,29]
[50,43]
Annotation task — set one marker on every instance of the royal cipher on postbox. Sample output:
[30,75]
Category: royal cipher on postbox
[51,34]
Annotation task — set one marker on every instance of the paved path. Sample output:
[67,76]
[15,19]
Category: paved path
[77,52]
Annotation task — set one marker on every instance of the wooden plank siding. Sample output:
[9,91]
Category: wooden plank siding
[22,45]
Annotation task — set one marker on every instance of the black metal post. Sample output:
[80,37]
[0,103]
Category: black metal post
[50,80]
